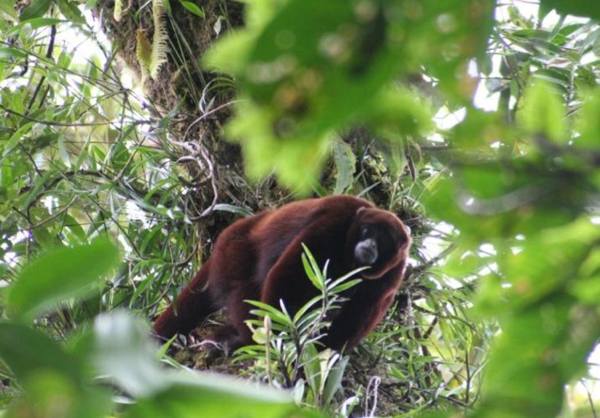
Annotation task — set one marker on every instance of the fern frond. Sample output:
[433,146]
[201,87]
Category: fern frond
[160,41]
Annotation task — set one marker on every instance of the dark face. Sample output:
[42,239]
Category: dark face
[366,251]
[381,241]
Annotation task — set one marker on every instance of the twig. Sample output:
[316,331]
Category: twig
[468,371]
[43,78]
[69,125]
[56,215]
[590,398]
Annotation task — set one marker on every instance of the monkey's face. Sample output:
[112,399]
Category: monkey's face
[370,239]
[381,241]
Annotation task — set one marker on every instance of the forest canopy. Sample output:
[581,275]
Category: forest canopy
[133,132]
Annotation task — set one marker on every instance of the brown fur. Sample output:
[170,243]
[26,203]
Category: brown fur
[259,258]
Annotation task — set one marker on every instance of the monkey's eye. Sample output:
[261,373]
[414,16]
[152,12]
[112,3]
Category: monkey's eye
[364,230]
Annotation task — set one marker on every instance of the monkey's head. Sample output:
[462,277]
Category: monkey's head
[378,239]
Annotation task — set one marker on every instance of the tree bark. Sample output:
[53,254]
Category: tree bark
[186,94]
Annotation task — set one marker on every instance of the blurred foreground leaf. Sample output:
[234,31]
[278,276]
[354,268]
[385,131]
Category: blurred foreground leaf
[53,379]
[60,274]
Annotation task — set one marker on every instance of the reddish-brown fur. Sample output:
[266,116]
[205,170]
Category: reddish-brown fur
[259,258]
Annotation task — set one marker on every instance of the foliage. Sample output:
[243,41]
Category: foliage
[523,189]
[57,380]
[300,83]
[76,164]
[288,355]
[527,199]
[501,201]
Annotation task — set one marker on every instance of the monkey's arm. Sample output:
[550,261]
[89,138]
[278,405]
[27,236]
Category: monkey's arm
[287,279]
[193,305]
[359,315]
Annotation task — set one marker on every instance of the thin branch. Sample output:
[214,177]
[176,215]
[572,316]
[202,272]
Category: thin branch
[69,125]
[56,215]
[43,78]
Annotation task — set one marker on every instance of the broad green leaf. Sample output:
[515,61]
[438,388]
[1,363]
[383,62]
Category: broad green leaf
[10,53]
[544,113]
[329,75]
[312,366]
[231,53]
[51,395]
[70,10]
[7,10]
[589,122]
[212,396]
[573,7]
[123,350]
[549,261]
[60,274]
[27,351]
[37,8]
[534,357]
[35,24]
[400,112]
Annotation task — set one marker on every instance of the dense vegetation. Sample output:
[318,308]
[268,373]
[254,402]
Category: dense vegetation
[128,141]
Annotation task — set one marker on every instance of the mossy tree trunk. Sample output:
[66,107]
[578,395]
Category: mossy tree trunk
[194,102]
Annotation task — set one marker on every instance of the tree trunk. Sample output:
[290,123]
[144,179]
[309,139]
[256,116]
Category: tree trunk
[195,102]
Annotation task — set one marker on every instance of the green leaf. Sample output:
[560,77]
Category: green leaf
[589,122]
[37,8]
[8,53]
[544,113]
[334,379]
[83,153]
[399,112]
[306,307]
[7,10]
[118,155]
[70,10]
[13,141]
[27,351]
[212,396]
[345,163]
[311,268]
[60,274]
[338,287]
[239,210]
[340,71]
[275,314]
[231,53]
[49,392]
[312,366]
[526,371]
[573,7]
[34,24]
[124,351]
[192,7]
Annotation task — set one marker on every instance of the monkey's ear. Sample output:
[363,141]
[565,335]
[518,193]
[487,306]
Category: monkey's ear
[357,213]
